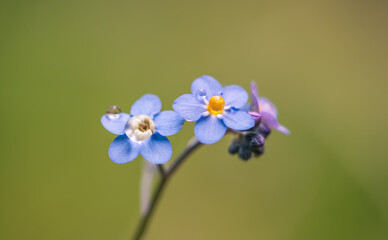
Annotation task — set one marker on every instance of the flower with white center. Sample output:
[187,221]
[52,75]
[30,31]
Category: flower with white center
[142,132]
[215,108]
[139,128]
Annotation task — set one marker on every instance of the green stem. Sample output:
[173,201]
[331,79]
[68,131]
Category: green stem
[165,176]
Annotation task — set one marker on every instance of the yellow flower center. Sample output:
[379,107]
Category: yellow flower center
[216,105]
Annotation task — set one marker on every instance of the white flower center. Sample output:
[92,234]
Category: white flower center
[139,128]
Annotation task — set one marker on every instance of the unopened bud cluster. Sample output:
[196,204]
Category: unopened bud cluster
[250,143]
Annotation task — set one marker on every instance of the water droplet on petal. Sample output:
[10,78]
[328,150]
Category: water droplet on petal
[113,110]
[201,93]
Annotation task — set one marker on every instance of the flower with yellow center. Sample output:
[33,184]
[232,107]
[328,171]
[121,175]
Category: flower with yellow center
[214,108]
[216,105]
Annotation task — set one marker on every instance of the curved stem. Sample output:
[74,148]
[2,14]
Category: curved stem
[191,146]
[165,176]
[161,170]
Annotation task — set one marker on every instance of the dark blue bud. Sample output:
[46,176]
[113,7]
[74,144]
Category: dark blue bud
[249,135]
[234,147]
[257,141]
[244,152]
[258,151]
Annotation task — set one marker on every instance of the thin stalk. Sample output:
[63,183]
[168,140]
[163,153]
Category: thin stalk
[165,176]
[161,170]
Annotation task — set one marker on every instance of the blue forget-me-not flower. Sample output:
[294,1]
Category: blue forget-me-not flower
[142,132]
[215,108]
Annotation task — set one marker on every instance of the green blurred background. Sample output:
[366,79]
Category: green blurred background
[324,64]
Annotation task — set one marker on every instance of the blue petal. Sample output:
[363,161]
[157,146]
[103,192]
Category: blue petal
[209,130]
[208,84]
[189,107]
[238,120]
[115,123]
[123,150]
[148,104]
[157,149]
[235,96]
[247,107]
[168,123]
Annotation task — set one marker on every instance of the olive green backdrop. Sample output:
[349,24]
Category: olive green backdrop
[323,63]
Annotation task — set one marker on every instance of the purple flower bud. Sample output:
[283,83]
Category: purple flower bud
[256,116]
[264,130]
[257,141]
[267,110]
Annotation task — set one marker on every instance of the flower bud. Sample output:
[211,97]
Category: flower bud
[257,141]
[244,152]
[264,130]
[258,151]
[234,147]
[256,116]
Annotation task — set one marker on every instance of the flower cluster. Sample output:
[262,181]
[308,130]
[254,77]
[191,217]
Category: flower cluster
[214,108]
[251,142]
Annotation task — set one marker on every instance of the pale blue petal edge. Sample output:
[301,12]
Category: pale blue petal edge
[148,104]
[208,84]
[238,120]
[168,123]
[189,107]
[115,123]
[209,130]
[123,150]
[235,96]
[157,149]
